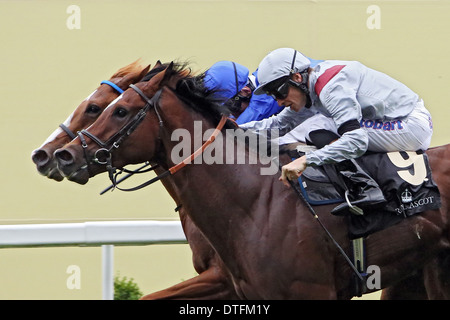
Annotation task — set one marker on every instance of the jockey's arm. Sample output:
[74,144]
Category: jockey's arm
[352,144]
[339,99]
[285,121]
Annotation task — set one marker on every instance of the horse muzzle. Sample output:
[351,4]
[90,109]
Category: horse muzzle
[70,167]
[46,164]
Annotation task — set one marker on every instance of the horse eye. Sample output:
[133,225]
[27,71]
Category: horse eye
[92,108]
[120,112]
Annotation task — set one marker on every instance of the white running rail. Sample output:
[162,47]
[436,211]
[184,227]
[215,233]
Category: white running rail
[104,233]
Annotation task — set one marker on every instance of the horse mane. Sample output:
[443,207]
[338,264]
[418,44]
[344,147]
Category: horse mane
[192,91]
[189,88]
[179,68]
[131,68]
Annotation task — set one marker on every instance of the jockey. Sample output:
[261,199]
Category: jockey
[371,111]
[235,86]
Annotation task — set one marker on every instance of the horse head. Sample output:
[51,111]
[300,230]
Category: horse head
[84,115]
[89,153]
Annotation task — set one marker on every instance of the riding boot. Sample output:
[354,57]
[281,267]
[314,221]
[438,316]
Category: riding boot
[362,191]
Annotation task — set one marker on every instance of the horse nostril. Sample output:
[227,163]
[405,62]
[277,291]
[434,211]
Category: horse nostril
[64,157]
[40,157]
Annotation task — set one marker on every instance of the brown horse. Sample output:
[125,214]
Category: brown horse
[269,241]
[213,281]
[433,282]
[83,116]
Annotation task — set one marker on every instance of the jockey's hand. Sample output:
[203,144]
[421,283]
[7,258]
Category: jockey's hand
[292,170]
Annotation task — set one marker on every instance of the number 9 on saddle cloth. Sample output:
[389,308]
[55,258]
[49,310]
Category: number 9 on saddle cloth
[403,177]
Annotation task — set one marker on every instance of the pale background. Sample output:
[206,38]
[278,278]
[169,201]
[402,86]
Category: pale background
[47,69]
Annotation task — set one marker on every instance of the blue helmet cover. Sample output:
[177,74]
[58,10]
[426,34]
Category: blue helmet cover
[221,77]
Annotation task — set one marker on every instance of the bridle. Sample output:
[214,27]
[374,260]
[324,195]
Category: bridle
[107,147]
[72,135]
[118,89]
[103,155]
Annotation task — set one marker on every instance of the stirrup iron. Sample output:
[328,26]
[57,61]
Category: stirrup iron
[353,209]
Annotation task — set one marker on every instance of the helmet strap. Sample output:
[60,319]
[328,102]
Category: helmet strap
[303,86]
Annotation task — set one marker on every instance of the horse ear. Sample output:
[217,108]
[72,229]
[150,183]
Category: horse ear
[144,72]
[157,64]
[168,73]
[155,81]
[160,79]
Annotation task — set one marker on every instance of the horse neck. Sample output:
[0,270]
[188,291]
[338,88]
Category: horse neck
[173,192]
[214,194]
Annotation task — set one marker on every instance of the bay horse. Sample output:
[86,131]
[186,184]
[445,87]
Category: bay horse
[264,233]
[212,281]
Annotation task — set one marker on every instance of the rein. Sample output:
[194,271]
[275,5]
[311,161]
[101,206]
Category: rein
[129,173]
[114,142]
[172,170]
[200,150]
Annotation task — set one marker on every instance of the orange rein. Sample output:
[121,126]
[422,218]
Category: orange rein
[200,150]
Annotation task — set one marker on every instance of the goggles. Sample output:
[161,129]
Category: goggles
[235,103]
[278,89]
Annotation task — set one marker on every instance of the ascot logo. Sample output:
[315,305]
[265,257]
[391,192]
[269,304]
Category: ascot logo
[413,204]
[406,196]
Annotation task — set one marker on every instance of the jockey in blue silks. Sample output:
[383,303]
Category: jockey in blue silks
[260,106]
[233,84]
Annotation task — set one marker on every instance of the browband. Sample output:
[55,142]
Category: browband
[112,85]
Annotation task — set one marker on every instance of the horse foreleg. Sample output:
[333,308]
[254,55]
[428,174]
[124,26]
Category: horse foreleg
[211,284]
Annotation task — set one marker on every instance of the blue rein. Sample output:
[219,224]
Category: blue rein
[112,85]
